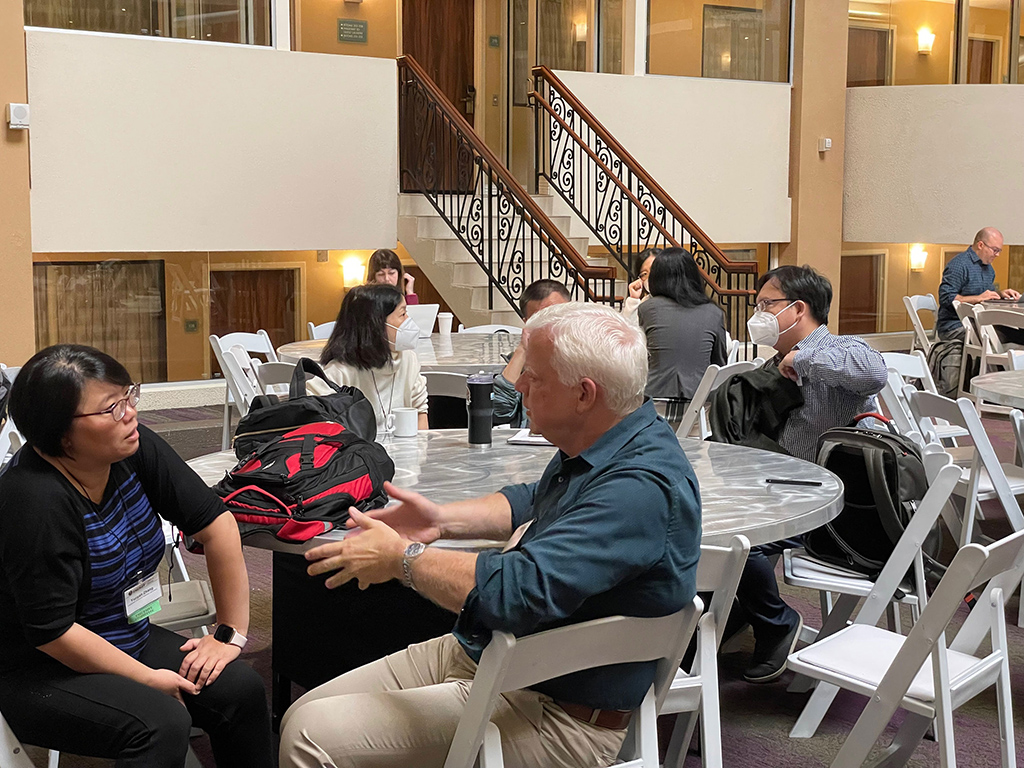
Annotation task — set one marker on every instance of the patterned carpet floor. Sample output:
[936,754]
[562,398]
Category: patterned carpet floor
[756,719]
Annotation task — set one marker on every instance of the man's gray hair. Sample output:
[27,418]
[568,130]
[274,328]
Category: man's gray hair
[595,342]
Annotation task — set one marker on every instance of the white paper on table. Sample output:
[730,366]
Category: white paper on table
[523,437]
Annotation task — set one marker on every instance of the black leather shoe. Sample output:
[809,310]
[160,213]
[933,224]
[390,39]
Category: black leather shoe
[771,662]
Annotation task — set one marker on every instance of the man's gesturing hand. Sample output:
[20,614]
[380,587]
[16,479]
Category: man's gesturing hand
[373,557]
[415,517]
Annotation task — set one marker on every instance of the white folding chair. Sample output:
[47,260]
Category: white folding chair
[695,694]
[322,331]
[732,349]
[695,414]
[10,440]
[972,345]
[240,378]
[985,478]
[273,378]
[11,371]
[186,604]
[509,663]
[259,343]
[914,305]
[913,368]
[893,671]
[803,570]
[993,351]
[12,753]
[493,328]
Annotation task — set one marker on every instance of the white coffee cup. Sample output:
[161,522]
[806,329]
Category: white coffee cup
[444,323]
[406,422]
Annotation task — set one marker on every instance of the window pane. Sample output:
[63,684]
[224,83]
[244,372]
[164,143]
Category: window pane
[901,43]
[988,26]
[225,21]
[562,34]
[696,39]
[609,25]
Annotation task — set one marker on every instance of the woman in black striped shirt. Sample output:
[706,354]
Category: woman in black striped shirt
[82,669]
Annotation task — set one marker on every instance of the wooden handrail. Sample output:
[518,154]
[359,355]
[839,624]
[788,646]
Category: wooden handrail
[543,227]
[638,170]
[628,193]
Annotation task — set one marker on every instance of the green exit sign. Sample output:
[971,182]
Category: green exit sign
[352,31]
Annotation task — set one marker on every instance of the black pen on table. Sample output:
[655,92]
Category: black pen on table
[779,481]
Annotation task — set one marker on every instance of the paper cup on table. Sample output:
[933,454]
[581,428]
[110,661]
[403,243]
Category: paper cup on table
[406,422]
[444,323]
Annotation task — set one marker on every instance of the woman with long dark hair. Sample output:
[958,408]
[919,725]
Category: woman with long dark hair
[639,290]
[685,331]
[372,349]
[385,268]
[82,668]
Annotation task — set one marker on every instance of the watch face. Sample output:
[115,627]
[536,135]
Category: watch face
[415,548]
[224,633]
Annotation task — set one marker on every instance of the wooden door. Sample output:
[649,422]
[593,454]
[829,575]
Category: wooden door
[980,59]
[858,294]
[439,35]
[868,57]
[251,299]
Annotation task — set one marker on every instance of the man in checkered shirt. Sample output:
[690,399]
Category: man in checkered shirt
[839,377]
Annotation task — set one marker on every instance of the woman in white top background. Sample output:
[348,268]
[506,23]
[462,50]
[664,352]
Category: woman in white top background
[371,348]
[638,290]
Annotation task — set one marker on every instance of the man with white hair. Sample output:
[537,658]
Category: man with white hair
[612,527]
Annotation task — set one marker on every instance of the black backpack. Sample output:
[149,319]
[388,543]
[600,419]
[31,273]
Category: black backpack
[270,417]
[884,480]
[301,484]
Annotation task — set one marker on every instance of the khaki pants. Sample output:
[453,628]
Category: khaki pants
[403,710]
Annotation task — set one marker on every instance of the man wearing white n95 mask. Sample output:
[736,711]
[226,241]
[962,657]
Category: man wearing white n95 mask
[838,377]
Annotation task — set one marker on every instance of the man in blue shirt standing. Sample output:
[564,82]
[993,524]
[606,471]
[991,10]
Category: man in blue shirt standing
[612,527]
[970,279]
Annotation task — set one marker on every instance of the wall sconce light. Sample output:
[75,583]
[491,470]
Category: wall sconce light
[353,271]
[918,257]
[925,40]
[581,31]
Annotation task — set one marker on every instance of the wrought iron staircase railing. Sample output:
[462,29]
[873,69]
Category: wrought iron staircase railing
[625,208]
[497,221]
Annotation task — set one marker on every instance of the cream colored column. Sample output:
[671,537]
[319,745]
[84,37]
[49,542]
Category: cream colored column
[819,111]
[17,324]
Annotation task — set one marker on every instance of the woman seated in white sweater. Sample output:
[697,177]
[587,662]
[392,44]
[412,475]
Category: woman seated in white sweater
[371,348]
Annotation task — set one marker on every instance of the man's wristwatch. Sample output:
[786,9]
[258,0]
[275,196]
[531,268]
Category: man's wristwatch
[230,636]
[414,550]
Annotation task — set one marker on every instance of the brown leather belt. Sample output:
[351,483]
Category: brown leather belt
[613,719]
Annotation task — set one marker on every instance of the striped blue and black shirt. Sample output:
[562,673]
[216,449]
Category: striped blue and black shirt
[66,560]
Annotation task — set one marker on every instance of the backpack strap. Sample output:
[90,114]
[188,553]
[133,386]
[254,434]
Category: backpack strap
[874,463]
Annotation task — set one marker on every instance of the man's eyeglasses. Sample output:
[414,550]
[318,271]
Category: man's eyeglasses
[996,251]
[118,409]
[762,305]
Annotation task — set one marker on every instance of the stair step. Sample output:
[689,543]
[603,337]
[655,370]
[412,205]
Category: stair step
[413,204]
[437,228]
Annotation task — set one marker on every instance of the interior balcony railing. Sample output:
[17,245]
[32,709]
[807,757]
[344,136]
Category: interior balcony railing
[625,208]
[497,221]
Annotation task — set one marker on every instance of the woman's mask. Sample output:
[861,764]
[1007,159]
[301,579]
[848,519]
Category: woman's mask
[406,335]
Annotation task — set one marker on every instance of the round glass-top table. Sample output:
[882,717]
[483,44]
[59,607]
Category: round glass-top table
[1001,388]
[735,499]
[454,352]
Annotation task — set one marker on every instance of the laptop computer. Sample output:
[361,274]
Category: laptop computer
[424,315]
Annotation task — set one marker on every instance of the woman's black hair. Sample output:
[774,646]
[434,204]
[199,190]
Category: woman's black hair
[644,255]
[48,391]
[675,275]
[359,337]
[383,258]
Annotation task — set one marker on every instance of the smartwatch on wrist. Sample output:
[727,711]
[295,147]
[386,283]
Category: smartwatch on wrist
[230,636]
[414,550]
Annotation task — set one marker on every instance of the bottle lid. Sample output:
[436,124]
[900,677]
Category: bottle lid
[480,378]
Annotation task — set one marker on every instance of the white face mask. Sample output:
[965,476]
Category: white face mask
[763,327]
[406,335]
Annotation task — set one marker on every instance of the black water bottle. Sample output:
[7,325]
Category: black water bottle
[481,408]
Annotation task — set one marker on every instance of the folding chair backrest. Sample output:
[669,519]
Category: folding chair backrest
[446,384]
[322,331]
[237,372]
[271,376]
[942,477]
[508,664]
[713,378]
[732,349]
[962,413]
[719,571]
[915,304]
[1015,359]
[913,366]
[258,342]
[892,398]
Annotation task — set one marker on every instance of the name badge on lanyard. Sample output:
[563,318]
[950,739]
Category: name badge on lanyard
[142,598]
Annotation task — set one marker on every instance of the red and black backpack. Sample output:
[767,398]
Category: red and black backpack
[301,484]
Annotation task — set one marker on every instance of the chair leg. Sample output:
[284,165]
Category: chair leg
[53,759]
[490,751]
[814,711]
[225,433]
[682,736]
[900,750]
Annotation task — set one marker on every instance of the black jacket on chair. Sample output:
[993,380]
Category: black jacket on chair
[751,409]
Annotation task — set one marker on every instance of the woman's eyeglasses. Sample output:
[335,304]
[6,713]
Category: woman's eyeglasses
[118,409]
